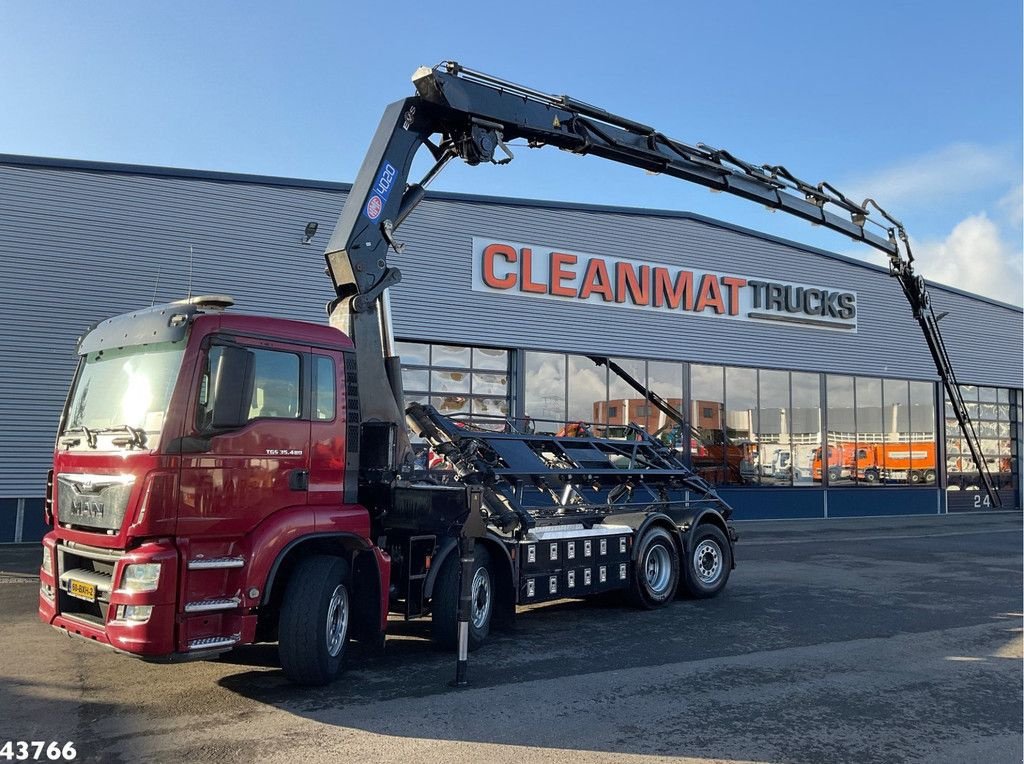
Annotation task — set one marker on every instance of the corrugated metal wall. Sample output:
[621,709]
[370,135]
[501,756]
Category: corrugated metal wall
[80,243]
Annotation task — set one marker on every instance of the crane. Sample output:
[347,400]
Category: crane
[461,113]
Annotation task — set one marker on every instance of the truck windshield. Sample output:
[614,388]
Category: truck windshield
[125,388]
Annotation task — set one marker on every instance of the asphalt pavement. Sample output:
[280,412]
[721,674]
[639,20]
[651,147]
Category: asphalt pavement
[869,640]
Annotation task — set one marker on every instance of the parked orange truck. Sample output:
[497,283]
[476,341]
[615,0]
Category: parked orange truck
[872,462]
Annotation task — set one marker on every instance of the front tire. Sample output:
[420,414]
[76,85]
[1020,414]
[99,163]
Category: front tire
[709,562]
[655,570]
[444,616]
[315,616]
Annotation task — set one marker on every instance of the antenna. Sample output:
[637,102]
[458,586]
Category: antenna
[191,259]
[156,286]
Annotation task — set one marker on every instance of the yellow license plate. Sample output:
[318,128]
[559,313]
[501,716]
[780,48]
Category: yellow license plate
[82,590]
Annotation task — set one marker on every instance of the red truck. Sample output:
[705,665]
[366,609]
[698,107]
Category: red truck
[220,479]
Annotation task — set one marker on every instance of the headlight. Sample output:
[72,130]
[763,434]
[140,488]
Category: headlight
[47,561]
[141,577]
[134,613]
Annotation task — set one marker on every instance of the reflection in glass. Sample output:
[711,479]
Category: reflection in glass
[842,432]
[625,405]
[450,355]
[449,381]
[773,425]
[588,392]
[741,455]
[490,358]
[666,380]
[707,412]
[545,390]
[870,430]
[805,427]
[413,352]
[922,429]
[892,458]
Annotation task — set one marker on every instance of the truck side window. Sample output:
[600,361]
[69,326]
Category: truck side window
[276,387]
[323,405]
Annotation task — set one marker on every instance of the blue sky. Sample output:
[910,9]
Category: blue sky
[917,104]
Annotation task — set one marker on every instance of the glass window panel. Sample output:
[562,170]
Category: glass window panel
[486,408]
[707,414]
[450,355]
[1003,412]
[842,431]
[415,379]
[772,428]
[276,385]
[666,379]
[988,411]
[805,427]
[1003,395]
[627,401]
[413,352]
[449,381]
[987,394]
[741,451]
[892,458]
[987,429]
[924,460]
[490,384]
[1003,429]
[490,358]
[871,428]
[588,393]
[451,404]
[969,392]
[323,407]
[545,390]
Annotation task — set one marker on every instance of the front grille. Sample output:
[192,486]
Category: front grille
[93,501]
[88,566]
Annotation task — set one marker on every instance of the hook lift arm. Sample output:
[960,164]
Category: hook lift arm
[475,115]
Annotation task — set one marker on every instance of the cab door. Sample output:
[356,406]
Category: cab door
[238,478]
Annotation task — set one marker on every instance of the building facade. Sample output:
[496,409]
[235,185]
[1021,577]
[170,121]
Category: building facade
[805,383]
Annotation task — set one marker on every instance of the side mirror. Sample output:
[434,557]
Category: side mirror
[231,389]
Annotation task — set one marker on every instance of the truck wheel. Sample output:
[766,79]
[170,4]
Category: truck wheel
[916,477]
[656,570]
[834,474]
[709,562]
[315,615]
[871,476]
[929,476]
[444,616]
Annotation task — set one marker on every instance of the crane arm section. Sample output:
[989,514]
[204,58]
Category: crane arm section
[474,117]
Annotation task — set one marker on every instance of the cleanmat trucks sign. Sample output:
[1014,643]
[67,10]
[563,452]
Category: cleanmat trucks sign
[533,270]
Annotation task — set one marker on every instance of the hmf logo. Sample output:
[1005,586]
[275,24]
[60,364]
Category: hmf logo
[381,191]
[539,271]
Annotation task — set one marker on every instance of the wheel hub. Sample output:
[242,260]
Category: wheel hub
[337,620]
[481,609]
[707,561]
[658,569]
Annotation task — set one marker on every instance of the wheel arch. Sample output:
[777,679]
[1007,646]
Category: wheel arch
[368,578]
[660,520]
[706,516]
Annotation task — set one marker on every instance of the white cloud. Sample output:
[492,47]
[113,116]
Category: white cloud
[1011,206]
[951,171]
[974,257]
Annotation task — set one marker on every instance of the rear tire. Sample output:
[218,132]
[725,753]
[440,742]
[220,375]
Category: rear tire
[708,563]
[444,615]
[315,616]
[655,570]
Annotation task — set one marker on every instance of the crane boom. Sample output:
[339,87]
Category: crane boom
[476,115]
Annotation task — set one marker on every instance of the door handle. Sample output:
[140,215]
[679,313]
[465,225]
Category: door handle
[298,480]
